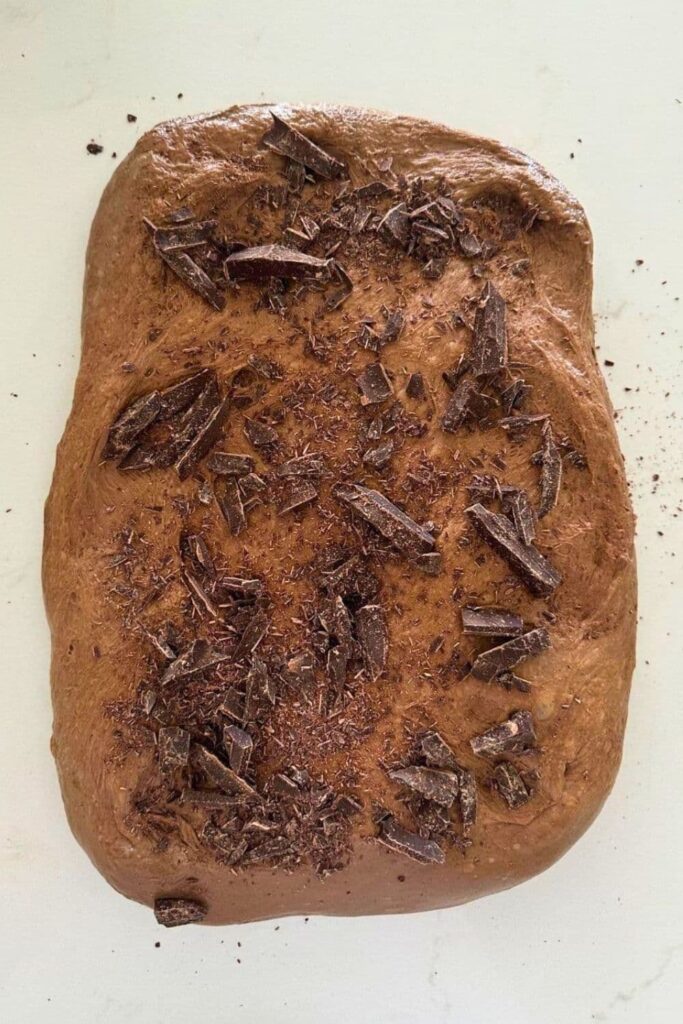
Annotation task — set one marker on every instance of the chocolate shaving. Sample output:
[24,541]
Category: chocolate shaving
[398,528]
[374,384]
[535,570]
[373,638]
[518,424]
[396,225]
[516,502]
[347,805]
[203,441]
[199,656]
[379,456]
[397,838]
[458,406]
[415,388]
[287,141]
[229,501]
[491,622]
[504,657]
[230,464]
[489,352]
[265,261]
[432,783]
[199,595]
[551,472]
[339,297]
[174,747]
[309,465]
[372,190]
[514,736]
[130,423]
[232,705]
[218,774]
[239,746]
[510,784]
[171,911]
[299,493]
[469,244]
[393,327]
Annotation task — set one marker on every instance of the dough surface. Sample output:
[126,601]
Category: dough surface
[114,574]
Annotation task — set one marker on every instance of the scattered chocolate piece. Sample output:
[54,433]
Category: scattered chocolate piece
[368,339]
[174,747]
[430,563]
[130,423]
[415,388]
[393,835]
[436,751]
[253,634]
[162,642]
[338,297]
[516,502]
[178,397]
[537,572]
[184,236]
[230,503]
[251,485]
[512,397]
[374,384]
[393,327]
[398,528]
[514,736]
[453,375]
[491,622]
[232,705]
[199,595]
[259,689]
[199,656]
[347,805]
[372,190]
[510,784]
[309,465]
[203,441]
[551,472]
[375,429]
[230,464]
[518,424]
[301,668]
[458,406]
[289,142]
[373,638]
[512,682]
[300,492]
[432,783]
[396,225]
[189,272]
[179,216]
[504,657]
[284,786]
[171,911]
[467,799]
[239,746]
[219,774]
[379,456]
[265,261]
[489,352]
[263,437]
[296,176]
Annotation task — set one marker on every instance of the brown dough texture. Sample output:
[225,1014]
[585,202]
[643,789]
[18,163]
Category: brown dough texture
[113,574]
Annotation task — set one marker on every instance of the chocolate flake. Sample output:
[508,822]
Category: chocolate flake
[230,503]
[130,423]
[373,637]
[437,752]
[287,141]
[203,441]
[372,190]
[177,397]
[513,396]
[259,689]
[191,274]
[199,595]
[551,472]
[491,622]
[230,464]
[432,783]
[396,225]
[397,838]
[510,784]
[467,799]
[489,352]
[458,406]
[253,634]
[514,736]
[171,911]
[309,465]
[374,384]
[393,327]
[265,261]
[299,493]
[188,235]
[239,746]
[430,563]
[516,502]
[538,573]
[504,657]
[199,656]
[347,805]
[415,388]
[219,774]
[174,747]
[379,456]
[398,528]
[263,437]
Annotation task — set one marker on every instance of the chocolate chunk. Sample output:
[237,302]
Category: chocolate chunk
[512,682]
[372,190]
[535,570]
[510,784]
[467,800]
[265,261]
[283,786]
[229,501]
[398,528]
[340,295]
[551,472]
[218,774]
[230,464]
[130,423]
[432,783]
[489,352]
[174,747]
[253,634]
[374,384]
[415,388]
[518,424]
[162,643]
[232,705]
[393,327]
[259,689]
[368,339]
[177,397]
[347,805]
[199,595]
[180,216]
[436,751]
[203,441]
[309,465]
[516,502]
[191,274]
[301,668]
[430,563]
[514,736]
[263,437]
[299,493]
[393,835]
[469,244]
[94,148]
[396,225]
[491,622]
[184,236]
[251,485]
[239,746]
[289,142]
[458,406]
[504,657]
[199,656]
[513,396]
[379,456]
[375,428]
[243,588]
[453,375]
[373,638]
[296,176]
[171,911]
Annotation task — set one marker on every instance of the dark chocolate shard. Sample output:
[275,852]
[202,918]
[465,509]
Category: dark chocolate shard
[162,642]
[453,375]
[372,190]
[510,784]
[232,704]
[373,638]
[296,176]
[374,384]
[551,472]
[188,235]
[458,406]
[516,502]
[432,783]
[263,437]
[171,911]
[230,464]
[199,595]
[260,688]
[375,429]
[437,752]
[536,571]
[203,441]
[301,668]
[398,528]
[430,563]
[251,485]
[512,682]
[337,664]
[514,736]
[397,838]
[262,262]
[191,274]
[230,503]
[239,746]
[467,800]
[379,456]
[393,328]
[287,141]
[368,339]
[150,454]
[219,774]
[415,388]
[491,622]
[339,295]
[130,423]
[396,225]
[195,551]
[283,786]
[174,747]
[489,351]
[347,805]
[253,634]
[198,657]
[469,244]
[299,493]
[309,465]
[504,657]
[513,396]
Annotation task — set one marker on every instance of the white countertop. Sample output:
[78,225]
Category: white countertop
[593,89]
